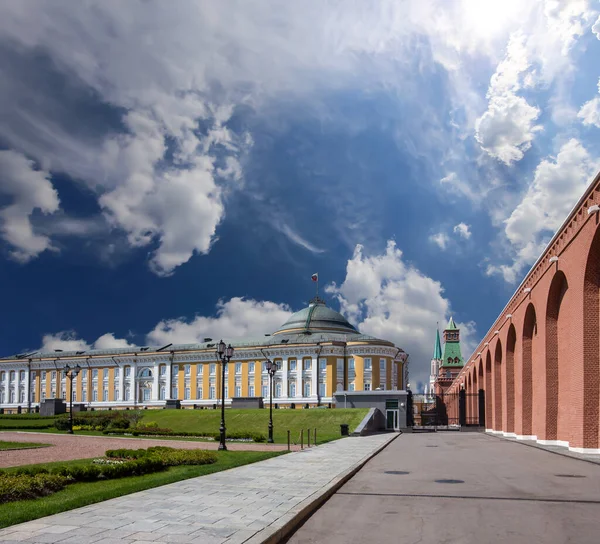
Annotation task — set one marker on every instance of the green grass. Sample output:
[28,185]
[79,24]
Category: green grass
[326,421]
[4,445]
[82,494]
[29,422]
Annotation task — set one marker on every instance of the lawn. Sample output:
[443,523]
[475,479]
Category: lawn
[326,421]
[81,494]
[24,422]
[4,445]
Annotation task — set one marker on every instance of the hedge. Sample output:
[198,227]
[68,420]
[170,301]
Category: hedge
[255,437]
[169,456]
[16,487]
[24,416]
[96,420]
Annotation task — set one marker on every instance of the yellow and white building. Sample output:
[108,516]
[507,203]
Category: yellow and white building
[317,352]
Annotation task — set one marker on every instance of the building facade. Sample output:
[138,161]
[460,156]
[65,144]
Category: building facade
[317,352]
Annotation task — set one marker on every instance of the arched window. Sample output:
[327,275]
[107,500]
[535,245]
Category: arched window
[307,389]
[450,360]
[456,360]
[292,389]
[145,373]
[163,393]
[278,389]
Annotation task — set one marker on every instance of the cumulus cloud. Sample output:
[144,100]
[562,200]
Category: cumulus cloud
[596,28]
[68,341]
[388,298]
[237,317]
[590,111]
[28,189]
[505,131]
[463,230]
[557,185]
[441,239]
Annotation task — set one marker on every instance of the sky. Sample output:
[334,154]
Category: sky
[171,171]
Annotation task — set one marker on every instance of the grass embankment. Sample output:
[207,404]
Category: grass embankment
[4,445]
[82,494]
[326,421]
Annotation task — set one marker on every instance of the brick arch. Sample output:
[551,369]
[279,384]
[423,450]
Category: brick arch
[556,294]
[498,386]
[480,382]
[591,345]
[488,391]
[474,395]
[511,341]
[529,331]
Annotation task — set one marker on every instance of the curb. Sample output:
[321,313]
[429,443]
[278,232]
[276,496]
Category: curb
[291,521]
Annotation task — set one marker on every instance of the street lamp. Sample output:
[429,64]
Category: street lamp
[71,373]
[224,354]
[271,369]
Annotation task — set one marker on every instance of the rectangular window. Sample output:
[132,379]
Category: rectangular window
[278,364]
[83,396]
[307,389]
[322,391]
[213,369]
[322,364]
[251,368]
[307,364]
[54,374]
[351,386]
[238,390]
[226,392]
[264,366]
[367,363]
[292,389]
[250,390]
[94,374]
[278,389]
[199,369]
[293,364]
[95,395]
[117,372]
[199,393]
[187,370]
[115,394]
[367,386]
[174,393]
[162,393]
[43,395]
[64,394]
[22,375]
[163,370]
[351,364]
[187,394]
[211,392]
[44,375]
[127,371]
[127,393]
[175,369]
[105,395]
[83,374]
[238,369]
[265,391]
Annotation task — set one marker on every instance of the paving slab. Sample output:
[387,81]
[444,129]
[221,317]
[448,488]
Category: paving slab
[462,488]
[254,503]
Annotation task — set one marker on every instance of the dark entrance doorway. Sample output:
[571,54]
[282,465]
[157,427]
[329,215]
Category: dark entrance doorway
[451,411]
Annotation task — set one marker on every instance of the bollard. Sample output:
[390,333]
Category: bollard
[289,441]
[308,438]
[301,439]
[315,436]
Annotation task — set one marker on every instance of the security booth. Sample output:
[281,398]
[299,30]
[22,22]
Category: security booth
[391,403]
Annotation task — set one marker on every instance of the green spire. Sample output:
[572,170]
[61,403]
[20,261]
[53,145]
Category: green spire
[451,325]
[437,350]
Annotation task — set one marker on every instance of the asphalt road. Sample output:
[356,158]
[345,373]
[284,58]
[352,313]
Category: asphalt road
[452,487]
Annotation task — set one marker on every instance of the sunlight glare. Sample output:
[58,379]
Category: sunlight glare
[487,18]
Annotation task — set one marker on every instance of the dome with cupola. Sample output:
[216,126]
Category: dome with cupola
[317,317]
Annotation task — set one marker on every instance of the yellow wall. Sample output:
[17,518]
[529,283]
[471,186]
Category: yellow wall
[111,384]
[180,382]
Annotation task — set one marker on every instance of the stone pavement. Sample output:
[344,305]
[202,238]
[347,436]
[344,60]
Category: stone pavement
[455,487]
[233,506]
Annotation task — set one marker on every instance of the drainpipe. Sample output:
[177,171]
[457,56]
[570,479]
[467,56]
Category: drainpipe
[319,374]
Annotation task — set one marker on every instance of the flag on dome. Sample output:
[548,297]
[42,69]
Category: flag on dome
[315,277]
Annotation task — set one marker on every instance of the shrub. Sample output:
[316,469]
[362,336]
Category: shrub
[168,456]
[256,437]
[15,487]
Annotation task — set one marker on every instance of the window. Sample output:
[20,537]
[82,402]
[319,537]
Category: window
[251,368]
[250,390]
[226,392]
[127,393]
[351,364]
[94,374]
[54,374]
[322,391]
[63,394]
[162,370]
[12,397]
[174,392]
[12,375]
[292,389]
[44,375]
[83,396]
[116,372]
[146,373]
[162,393]
[1,396]
[105,395]
[293,364]
[307,364]
[367,363]
[175,370]
[83,374]
[351,386]
[199,393]
[448,374]
[187,370]
[307,389]
[278,389]
[211,392]
[127,371]
[278,365]
[367,386]
[115,394]
[265,391]
[238,369]
[21,396]
[456,360]
[3,376]
[264,366]
[322,364]
[238,390]
[22,374]
[213,369]
[95,395]
[187,394]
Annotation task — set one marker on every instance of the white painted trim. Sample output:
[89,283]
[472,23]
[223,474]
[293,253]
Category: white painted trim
[526,437]
[563,443]
[509,435]
[493,431]
[590,451]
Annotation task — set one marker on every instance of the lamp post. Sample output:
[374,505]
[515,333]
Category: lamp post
[224,354]
[271,369]
[71,373]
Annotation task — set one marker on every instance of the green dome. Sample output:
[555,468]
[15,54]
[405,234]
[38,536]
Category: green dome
[317,318]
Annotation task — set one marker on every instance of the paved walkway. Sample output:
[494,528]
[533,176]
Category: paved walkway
[233,506]
[462,488]
[66,447]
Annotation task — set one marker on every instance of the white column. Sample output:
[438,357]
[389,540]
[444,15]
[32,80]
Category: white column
[169,384]
[155,385]
[284,378]
[16,385]
[27,382]
[314,373]
[121,384]
[299,372]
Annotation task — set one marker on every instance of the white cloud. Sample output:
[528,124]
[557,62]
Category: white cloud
[590,111]
[441,239]
[237,317]
[568,20]
[28,190]
[463,230]
[68,341]
[108,341]
[557,185]
[390,299]
[505,131]
[596,28]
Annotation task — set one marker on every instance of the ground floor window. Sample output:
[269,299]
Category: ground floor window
[12,397]
[105,395]
[322,390]
[265,391]
[187,394]
[83,396]
[226,392]
[174,393]
[367,386]
[146,394]
[212,392]
[199,393]
[238,390]
[163,393]
[351,386]
[292,389]
[307,389]
[95,395]
[251,391]
[278,390]
[22,396]
[127,394]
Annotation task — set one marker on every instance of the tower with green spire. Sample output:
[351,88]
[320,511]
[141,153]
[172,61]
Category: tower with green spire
[436,361]
[452,358]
